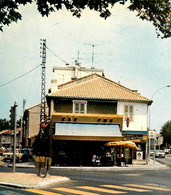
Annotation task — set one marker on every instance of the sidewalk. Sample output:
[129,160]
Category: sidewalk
[26,180]
[150,166]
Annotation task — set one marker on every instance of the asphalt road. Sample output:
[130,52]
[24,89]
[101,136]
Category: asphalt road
[166,160]
[103,182]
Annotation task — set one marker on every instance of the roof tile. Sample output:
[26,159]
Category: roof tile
[95,86]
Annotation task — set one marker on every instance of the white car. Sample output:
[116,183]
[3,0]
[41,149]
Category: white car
[8,155]
[160,154]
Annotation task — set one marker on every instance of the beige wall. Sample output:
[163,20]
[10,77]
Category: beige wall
[34,121]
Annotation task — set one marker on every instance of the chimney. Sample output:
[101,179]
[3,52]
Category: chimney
[54,86]
[136,92]
[77,68]
[74,78]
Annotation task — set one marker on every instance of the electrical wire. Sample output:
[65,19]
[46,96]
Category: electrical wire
[56,55]
[19,76]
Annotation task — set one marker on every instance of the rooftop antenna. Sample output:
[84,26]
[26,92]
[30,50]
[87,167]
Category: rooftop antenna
[78,57]
[92,58]
[92,67]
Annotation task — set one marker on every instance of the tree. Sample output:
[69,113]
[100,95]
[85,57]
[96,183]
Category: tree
[4,124]
[156,11]
[166,133]
[19,123]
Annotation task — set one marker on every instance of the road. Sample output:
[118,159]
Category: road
[166,160]
[103,182]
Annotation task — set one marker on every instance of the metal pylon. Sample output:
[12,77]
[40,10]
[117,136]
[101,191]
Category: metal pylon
[43,86]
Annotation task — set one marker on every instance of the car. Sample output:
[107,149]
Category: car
[152,153]
[8,155]
[160,154]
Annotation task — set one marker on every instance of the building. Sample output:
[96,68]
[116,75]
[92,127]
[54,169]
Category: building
[31,125]
[159,140]
[67,73]
[31,117]
[90,111]
[7,138]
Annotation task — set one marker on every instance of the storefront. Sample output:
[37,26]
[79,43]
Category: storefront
[80,139]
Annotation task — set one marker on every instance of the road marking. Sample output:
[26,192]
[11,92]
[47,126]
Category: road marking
[101,189]
[126,188]
[148,187]
[42,192]
[132,174]
[74,191]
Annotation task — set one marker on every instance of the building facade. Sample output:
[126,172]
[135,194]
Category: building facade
[31,125]
[68,73]
[7,138]
[90,111]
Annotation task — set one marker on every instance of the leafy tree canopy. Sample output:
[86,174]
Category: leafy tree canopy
[166,132]
[4,124]
[156,11]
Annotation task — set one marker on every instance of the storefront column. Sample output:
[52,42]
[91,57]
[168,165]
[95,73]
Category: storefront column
[51,106]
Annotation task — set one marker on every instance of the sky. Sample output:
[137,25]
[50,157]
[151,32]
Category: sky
[126,47]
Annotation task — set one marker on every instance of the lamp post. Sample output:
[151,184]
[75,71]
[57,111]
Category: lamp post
[150,119]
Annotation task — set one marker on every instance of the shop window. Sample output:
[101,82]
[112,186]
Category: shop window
[79,106]
[128,112]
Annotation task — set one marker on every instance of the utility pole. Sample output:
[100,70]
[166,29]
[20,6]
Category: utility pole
[43,85]
[13,123]
[23,134]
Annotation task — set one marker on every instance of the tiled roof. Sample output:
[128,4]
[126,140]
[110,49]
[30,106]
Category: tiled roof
[9,131]
[95,86]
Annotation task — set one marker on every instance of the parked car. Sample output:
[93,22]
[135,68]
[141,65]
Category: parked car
[8,155]
[160,154]
[167,151]
[151,153]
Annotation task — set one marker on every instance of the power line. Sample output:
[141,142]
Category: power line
[19,76]
[56,55]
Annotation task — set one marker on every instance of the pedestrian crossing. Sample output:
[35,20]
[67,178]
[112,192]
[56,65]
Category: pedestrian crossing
[100,189]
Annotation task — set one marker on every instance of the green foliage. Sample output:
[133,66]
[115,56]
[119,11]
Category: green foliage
[4,124]
[156,11]
[166,132]
[19,123]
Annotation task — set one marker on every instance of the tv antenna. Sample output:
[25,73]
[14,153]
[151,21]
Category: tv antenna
[78,57]
[92,57]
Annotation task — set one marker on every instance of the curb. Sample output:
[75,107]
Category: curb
[39,185]
[155,166]
[110,168]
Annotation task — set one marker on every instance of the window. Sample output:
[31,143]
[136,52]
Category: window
[128,112]
[79,106]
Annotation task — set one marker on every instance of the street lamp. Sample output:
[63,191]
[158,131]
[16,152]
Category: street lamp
[150,117]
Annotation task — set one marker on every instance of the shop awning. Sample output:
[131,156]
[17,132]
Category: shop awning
[75,129]
[128,144]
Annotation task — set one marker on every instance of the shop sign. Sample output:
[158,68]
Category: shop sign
[139,155]
[152,134]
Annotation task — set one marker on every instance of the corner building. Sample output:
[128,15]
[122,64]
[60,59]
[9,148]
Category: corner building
[88,112]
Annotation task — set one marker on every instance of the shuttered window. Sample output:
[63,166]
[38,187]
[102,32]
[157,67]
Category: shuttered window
[79,106]
[128,112]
